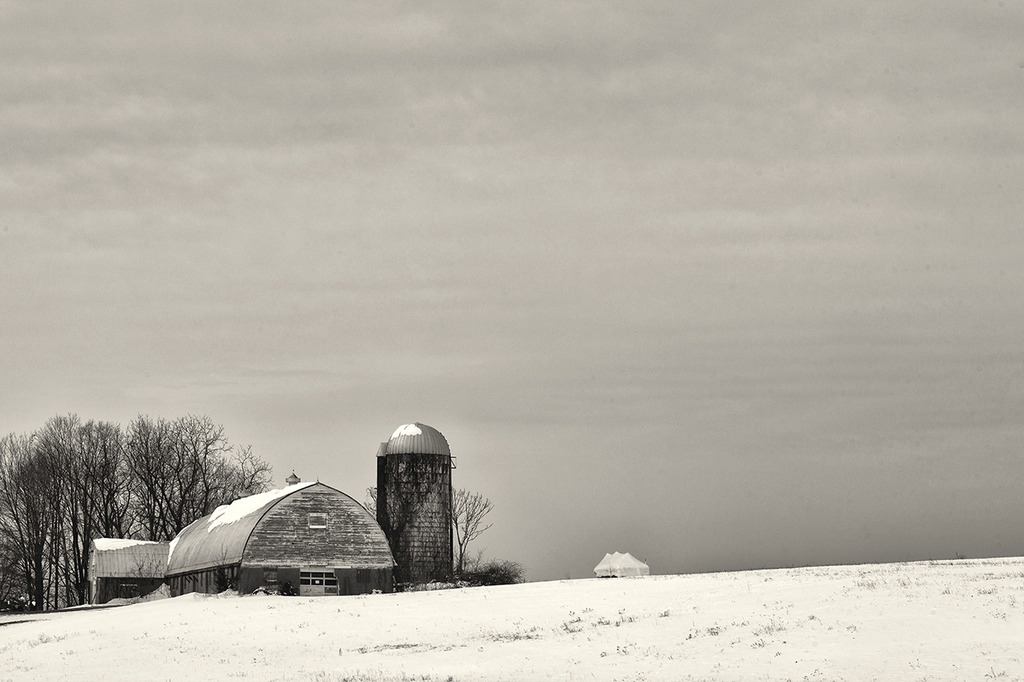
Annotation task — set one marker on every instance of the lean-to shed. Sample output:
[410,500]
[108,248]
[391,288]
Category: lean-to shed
[307,538]
[124,569]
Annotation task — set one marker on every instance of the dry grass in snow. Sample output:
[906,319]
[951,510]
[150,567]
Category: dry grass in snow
[961,620]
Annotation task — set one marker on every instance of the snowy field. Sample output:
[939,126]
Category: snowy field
[957,620]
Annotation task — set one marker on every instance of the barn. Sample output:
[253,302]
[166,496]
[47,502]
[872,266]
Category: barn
[306,538]
[125,569]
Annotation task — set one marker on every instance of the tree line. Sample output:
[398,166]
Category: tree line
[73,481]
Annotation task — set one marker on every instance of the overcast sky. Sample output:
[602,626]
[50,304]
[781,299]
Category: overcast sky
[723,285]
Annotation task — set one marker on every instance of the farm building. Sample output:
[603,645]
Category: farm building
[414,502]
[124,569]
[307,538]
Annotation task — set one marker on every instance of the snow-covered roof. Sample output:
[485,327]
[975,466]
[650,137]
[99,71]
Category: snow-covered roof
[122,558]
[417,439]
[109,544]
[245,506]
[221,538]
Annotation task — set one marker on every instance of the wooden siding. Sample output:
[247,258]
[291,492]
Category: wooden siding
[289,575]
[351,539]
[105,589]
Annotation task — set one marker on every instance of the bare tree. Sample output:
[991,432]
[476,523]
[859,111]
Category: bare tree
[184,470]
[11,587]
[468,512]
[110,471]
[249,474]
[90,484]
[70,482]
[59,447]
[149,455]
[27,511]
[86,484]
[202,474]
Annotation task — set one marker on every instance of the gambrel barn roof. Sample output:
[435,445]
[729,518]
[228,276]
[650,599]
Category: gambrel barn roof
[260,528]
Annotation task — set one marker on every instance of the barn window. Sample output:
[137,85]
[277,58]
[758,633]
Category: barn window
[362,575]
[318,520]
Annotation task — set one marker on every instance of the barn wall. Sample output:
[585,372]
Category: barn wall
[283,543]
[250,578]
[284,536]
[124,588]
[207,581]
[350,580]
[363,581]
[289,575]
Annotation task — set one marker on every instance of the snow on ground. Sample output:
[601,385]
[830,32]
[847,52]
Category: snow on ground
[961,620]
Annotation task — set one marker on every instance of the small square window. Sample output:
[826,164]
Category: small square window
[318,520]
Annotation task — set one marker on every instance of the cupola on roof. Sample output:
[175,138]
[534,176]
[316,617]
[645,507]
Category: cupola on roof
[417,439]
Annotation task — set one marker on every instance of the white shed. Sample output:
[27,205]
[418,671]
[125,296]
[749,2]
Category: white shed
[122,568]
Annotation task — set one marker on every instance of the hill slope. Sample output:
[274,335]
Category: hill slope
[918,621]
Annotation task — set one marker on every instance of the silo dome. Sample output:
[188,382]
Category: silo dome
[417,439]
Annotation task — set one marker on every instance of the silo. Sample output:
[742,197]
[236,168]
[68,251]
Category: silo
[414,502]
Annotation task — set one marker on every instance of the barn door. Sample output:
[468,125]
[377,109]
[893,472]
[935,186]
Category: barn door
[317,582]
